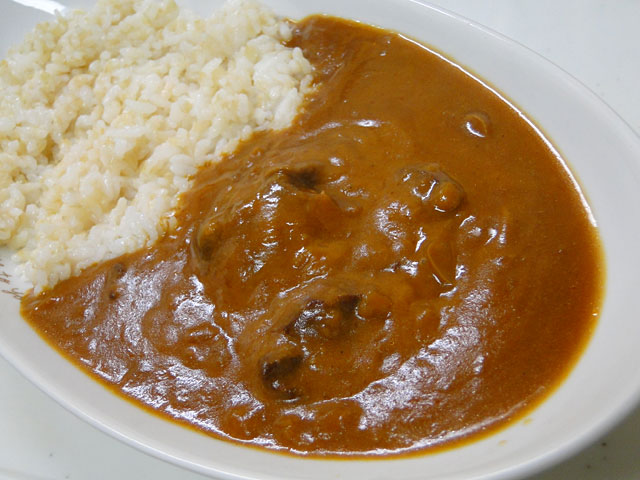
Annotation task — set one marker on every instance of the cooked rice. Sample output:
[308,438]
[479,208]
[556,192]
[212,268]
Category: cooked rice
[104,115]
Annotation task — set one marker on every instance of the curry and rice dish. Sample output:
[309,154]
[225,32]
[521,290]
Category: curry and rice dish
[403,265]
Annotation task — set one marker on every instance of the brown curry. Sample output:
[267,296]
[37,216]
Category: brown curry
[408,265]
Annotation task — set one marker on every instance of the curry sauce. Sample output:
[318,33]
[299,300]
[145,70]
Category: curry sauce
[408,265]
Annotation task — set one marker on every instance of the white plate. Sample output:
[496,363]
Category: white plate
[605,384]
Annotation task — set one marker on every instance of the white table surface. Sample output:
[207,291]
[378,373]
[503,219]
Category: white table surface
[597,41]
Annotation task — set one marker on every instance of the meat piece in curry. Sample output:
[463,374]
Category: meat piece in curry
[407,266]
